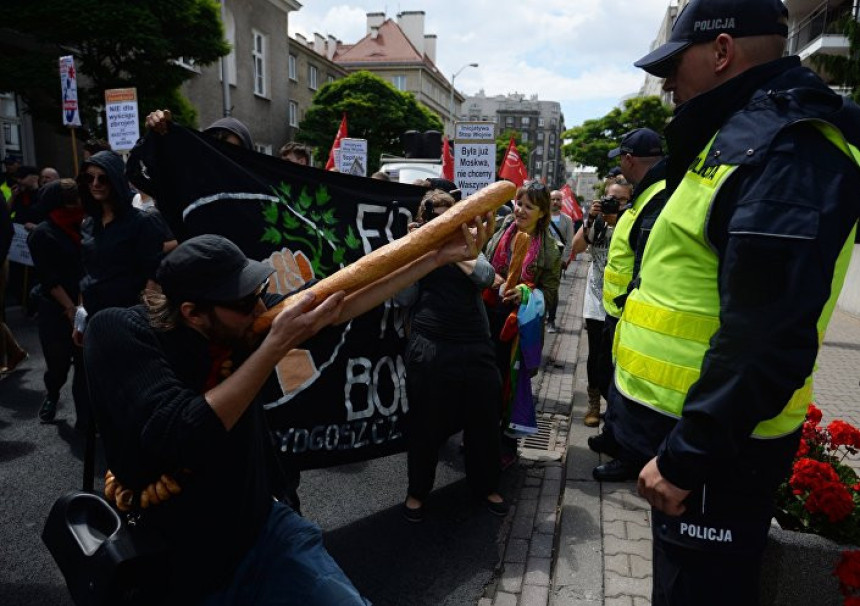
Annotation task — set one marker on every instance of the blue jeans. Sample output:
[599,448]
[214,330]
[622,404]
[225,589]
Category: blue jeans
[288,565]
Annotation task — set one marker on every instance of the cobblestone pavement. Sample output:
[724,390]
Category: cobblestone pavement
[575,542]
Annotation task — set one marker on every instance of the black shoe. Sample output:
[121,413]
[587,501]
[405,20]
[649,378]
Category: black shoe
[498,509]
[615,471]
[604,443]
[413,515]
[48,410]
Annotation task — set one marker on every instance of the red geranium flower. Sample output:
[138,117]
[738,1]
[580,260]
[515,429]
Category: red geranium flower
[802,449]
[809,473]
[848,569]
[832,499]
[813,414]
[843,434]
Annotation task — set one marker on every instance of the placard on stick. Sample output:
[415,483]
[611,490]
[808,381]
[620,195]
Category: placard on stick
[474,155]
[122,121]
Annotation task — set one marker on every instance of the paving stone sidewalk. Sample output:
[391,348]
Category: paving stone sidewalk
[575,542]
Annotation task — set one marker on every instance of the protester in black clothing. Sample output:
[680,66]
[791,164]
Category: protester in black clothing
[11,354]
[121,245]
[452,379]
[55,245]
[22,206]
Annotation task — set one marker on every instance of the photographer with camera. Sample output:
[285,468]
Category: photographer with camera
[595,235]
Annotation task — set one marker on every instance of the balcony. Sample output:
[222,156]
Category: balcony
[818,31]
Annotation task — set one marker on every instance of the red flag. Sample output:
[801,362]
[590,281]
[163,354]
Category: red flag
[447,160]
[569,205]
[341,134]
[512,167]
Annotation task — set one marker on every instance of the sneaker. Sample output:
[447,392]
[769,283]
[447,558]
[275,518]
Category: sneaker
[498,509]
[551,328]
[48,410]
[412,515]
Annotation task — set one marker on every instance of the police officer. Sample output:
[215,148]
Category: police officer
[640,155]
[716,347]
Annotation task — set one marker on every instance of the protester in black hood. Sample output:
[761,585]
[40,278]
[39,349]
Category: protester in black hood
[55,245]
[121,245]
[225,127]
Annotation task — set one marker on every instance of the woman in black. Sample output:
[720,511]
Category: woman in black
[55,245]
[451,376]
[121,245]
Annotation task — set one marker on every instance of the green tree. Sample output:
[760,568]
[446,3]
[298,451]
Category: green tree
[115,45]
[375,111]
[593,139]
[502,141]
[844,71]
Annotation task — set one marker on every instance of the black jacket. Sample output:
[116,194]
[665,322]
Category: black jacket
[121,256]
[147,394]
[777,226]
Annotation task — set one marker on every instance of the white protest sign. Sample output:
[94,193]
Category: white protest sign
[353,157]
[19,252]
[69,87]
[122,122]
[474,155]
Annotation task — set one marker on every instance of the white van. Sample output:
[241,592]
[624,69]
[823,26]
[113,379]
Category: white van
[409,170]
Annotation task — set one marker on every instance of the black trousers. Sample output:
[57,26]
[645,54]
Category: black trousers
[594,329]
[605,367]
[452,387]
[61,355]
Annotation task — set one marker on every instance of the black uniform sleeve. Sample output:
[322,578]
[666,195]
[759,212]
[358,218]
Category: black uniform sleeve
[44,253]
[778,229]
[149,245]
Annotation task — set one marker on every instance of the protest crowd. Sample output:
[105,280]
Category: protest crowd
[714,258]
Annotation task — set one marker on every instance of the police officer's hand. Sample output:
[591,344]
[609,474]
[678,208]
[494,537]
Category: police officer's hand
[660,492]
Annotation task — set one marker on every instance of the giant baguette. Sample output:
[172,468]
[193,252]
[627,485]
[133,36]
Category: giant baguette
[394,255]
[518,255]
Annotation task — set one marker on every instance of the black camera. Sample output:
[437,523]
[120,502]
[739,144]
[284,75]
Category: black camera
[610,205]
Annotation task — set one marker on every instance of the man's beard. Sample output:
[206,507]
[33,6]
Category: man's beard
[242,343]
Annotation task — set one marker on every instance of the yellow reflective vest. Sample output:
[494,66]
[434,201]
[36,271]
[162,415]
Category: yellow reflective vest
[619,265]
[667,323]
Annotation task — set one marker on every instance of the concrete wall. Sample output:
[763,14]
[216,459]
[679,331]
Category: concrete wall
[849,300]
[266,117]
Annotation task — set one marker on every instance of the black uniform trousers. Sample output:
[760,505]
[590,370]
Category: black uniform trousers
[452,386]
[61,355]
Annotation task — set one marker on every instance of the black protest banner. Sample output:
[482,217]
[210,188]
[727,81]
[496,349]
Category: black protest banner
[343,398]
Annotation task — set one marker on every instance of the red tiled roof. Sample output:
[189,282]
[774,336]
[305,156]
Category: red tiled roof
[390,46]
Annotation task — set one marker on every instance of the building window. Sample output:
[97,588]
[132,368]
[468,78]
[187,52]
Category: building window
[399,82]
[538,164]
[525,137]
[312,77]
[263,148]
[293,71]
[259,56]
[541,122]
[540,150]
[525,121]
[330,79]
[294,114]
[552,138]
[509,121]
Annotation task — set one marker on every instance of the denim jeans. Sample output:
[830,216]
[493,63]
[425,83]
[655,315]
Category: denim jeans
[288,566]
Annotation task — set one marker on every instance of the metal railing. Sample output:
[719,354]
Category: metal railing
[824,19]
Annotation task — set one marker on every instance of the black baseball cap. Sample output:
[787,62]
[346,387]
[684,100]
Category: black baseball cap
[639,142]
[447,186]
[704,20]
[211,269]
[12,159]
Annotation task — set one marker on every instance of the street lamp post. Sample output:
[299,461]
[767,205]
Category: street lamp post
[451,101]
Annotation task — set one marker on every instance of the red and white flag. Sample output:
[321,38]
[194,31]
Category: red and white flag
[341,134]
[512,167]
[447,160]
[569,205]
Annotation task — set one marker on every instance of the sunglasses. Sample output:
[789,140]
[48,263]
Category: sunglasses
[90,179]
[247,304]
[536,186]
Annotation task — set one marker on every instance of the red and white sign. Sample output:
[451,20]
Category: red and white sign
[69,87]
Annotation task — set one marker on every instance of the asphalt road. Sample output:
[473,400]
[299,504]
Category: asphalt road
[444,561]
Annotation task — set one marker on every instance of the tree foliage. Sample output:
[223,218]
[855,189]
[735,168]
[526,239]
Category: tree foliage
[504,139]
[375,111]
[593,139]
[844,71]
[115,45]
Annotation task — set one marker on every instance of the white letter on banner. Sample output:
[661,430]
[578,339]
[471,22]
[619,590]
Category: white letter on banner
[359,377]
[389,410]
